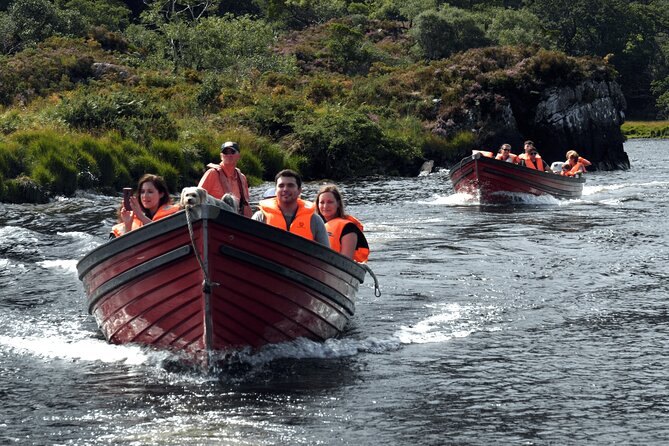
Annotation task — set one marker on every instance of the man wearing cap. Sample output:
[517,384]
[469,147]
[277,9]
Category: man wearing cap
[289,212]
[225,177]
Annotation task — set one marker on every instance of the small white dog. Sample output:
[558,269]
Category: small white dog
[193,196]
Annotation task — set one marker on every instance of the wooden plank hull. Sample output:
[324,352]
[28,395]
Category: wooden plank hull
[234,283]
[494,181]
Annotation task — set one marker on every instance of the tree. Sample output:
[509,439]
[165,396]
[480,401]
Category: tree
[113,14]
[301,13]
[441,33]
[175,20]
[624,31]
[514,27]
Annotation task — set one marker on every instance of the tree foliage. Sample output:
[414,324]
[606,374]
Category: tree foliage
[440,33]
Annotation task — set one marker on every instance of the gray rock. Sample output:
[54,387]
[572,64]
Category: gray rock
[585,117]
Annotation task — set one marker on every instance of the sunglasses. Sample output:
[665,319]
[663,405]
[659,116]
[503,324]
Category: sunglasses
[506,150]
[533,153]
[229,151]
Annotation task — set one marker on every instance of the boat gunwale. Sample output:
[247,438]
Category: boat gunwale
[231,220]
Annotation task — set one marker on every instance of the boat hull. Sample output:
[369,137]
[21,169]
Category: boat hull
[233,283]
[495,181]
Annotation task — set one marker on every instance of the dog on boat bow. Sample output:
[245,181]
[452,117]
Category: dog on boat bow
[193,196]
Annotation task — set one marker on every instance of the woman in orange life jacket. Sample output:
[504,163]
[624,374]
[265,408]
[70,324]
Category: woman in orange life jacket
[575,163]
[151,202]
[344,231]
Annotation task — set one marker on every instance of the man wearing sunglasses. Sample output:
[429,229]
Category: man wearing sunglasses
[225,177]
[531,158]
[504,154]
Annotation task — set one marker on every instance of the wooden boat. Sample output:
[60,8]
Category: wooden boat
[207,280]
[495,181]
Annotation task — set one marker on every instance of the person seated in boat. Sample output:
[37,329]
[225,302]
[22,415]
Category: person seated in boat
[575,164]
[151,202]
[225,177]
[289,212]
[504,154]
[344,231]
[531,158]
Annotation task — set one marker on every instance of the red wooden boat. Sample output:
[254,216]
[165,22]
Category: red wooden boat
[210,281]
[495,181]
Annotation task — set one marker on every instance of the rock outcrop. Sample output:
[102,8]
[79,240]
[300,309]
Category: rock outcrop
[582,114]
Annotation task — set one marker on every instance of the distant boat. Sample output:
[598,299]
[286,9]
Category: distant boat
[232,282]
[495,181]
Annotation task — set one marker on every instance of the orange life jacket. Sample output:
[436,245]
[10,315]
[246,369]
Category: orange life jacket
[118,229]
[511,159]
[530,164]
[575,170]
[301,224]
[162,212]
[335,228]
[223,186]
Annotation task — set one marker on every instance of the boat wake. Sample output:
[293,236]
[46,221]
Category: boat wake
[448,322]
[509,198]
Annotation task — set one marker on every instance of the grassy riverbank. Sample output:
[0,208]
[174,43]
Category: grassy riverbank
[645,129]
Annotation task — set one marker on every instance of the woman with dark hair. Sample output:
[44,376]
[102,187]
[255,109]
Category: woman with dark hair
[344,231]
[151,202]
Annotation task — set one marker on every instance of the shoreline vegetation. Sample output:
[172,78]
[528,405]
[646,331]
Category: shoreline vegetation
[645,129]
[94,93]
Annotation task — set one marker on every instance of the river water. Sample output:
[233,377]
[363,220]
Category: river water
[544,322]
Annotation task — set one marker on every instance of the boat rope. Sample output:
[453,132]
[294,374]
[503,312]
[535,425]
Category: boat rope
[377,290]
[206,284]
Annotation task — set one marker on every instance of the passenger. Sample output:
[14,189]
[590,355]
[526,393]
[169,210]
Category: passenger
[289,212]
[344,231]
[151,202]
[575,164]
[225,177]
[531,158]
[504,154]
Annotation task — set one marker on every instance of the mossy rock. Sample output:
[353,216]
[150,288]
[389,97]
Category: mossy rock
[24,190]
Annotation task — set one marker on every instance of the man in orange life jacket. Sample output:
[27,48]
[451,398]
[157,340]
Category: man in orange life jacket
[225,177]
[289,212]
[532,159]
[504,154]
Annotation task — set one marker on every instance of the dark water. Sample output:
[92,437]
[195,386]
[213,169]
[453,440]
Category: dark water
[544,322]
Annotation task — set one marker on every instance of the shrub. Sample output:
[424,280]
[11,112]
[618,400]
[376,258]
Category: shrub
[341,142]
[273,160]
[208,94]
[347,49]
[146,163]
[54,167]
[252,167]
[97,159]
[273,116]
[322,89]
[54,65]
[57,175]
[134,117]
[10,122]
[24,190]
[441,33]
[88,174]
